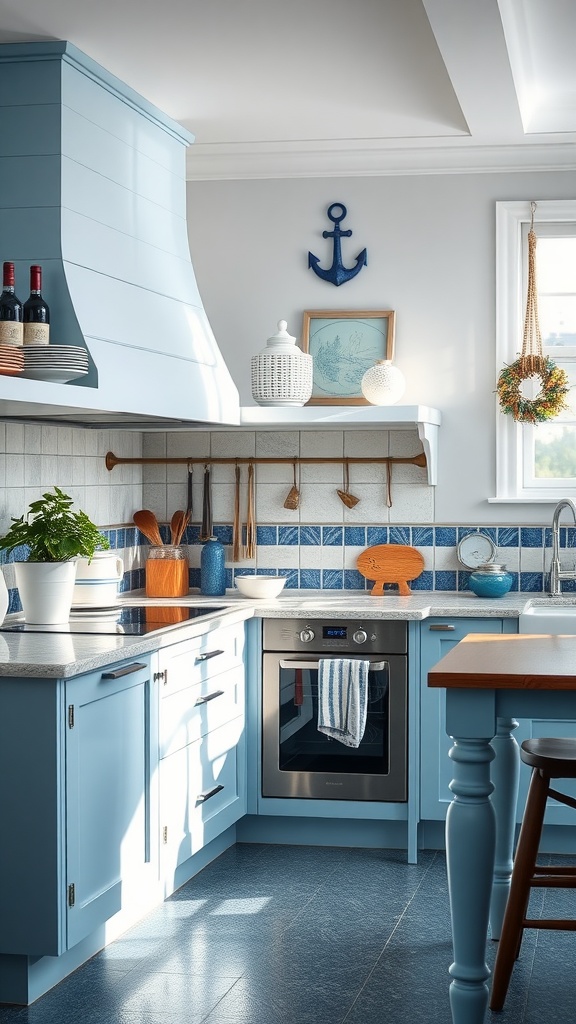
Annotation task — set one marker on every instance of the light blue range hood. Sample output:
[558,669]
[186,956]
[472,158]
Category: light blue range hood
[92,179]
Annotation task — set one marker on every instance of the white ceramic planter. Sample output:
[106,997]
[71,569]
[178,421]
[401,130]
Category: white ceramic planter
[46,590]
[97,581]
[4,597]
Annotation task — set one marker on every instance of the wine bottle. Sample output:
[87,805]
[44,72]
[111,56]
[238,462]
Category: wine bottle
[36,312]
[11,326]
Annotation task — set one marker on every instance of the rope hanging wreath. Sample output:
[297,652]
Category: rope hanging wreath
[554,384]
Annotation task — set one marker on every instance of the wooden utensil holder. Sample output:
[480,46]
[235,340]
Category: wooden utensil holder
[167,572]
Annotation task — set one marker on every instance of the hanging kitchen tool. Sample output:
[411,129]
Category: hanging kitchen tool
[250,548]
[189,482]
[349,499]
[388,485]
[206,526]
[293,497]
[147,523]
[390,563]
[237,522]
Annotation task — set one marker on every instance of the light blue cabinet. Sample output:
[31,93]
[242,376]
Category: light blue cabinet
[202,749]
[112,782]
[74,805]
[437,637]
[110,854]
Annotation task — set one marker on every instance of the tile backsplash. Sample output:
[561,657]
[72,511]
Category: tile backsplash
[315,545]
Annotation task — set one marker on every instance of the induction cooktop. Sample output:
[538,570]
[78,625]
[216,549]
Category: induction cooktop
[130,620]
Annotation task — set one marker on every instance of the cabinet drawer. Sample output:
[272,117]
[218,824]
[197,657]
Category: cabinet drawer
[190,713]
[193,661]
[202,792]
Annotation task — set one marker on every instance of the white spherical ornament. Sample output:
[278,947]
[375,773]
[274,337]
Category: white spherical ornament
[383,383]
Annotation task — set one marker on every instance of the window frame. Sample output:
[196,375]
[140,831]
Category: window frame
[515,442]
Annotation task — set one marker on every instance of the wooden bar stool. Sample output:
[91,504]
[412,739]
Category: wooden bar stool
[549,759]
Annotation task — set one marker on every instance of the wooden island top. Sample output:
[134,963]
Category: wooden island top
[511,661]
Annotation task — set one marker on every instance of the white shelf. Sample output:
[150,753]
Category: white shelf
[351,417]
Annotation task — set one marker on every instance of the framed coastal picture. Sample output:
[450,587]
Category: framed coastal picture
[343,345]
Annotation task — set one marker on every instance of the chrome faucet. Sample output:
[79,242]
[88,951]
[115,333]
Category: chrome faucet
[556,573]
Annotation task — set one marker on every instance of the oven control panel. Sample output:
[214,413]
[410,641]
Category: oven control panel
[379,636]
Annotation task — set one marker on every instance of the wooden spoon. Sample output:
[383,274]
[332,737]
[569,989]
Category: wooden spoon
[177,527]
[147,523]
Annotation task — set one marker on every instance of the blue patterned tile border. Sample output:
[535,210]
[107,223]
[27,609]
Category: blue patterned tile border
[355,536]
[311,535]
[376,535]
[508,537]
[445,580]
[400,535]
[288,535]
[422,536]
[531,581]
[310,579]
[425,581]
[445,536]
[531,537]
[333,538]
[354,580]
[332,579]
[266,535]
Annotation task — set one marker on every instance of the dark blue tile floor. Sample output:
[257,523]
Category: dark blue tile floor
[296,935]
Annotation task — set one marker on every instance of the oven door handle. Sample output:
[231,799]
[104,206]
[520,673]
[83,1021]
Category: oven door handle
[375,666]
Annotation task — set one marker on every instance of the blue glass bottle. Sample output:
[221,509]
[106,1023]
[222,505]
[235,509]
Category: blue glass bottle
[212,568]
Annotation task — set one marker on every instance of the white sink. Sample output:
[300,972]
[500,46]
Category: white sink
[547,616]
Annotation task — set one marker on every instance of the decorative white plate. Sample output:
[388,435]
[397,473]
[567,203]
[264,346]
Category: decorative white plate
[91,611]
[56,364]
[475,549]
[52,374]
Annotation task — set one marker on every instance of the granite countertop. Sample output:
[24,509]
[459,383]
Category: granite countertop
[61,655]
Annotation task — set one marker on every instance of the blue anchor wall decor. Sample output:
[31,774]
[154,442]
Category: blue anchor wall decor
[338,273]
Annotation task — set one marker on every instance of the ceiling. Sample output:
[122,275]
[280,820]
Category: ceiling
[282,88]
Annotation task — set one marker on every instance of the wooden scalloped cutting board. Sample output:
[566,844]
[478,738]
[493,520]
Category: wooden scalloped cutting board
[390,563]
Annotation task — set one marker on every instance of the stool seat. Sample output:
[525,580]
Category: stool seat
[557,757]
[549,758]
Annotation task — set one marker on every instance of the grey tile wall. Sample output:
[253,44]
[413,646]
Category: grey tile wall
[315,547]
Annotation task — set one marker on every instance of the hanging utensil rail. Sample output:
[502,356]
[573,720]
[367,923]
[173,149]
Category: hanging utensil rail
[415,460]
[294,460]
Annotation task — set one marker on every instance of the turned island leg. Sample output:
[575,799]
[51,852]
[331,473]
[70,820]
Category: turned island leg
[505,776]
[470,848]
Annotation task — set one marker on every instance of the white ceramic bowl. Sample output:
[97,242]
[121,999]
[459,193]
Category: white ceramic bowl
[260,586]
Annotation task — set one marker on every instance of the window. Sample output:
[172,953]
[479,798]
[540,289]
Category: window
[537,463]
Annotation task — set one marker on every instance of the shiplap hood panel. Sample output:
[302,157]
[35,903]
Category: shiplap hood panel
[92,180]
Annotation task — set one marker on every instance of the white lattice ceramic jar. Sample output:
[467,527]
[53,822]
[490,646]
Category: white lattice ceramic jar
[281,372]
[383,383]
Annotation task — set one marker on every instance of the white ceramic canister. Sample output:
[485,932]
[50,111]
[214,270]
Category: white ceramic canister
[97,580]
[281,372]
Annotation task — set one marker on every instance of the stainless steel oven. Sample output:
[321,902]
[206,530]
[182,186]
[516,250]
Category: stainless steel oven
[297,759]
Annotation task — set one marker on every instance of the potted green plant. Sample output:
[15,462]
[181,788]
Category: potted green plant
[55,536]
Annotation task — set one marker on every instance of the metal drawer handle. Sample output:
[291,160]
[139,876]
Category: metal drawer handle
[375,666]
[209,696]
[441,627]
[209,654]
[203,797]
[126,671]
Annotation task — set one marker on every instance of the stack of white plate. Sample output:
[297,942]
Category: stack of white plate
[11,359]
[57,363]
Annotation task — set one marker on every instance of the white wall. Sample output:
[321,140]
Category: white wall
[431,258]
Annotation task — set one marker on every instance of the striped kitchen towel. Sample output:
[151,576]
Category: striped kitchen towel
[343,699]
